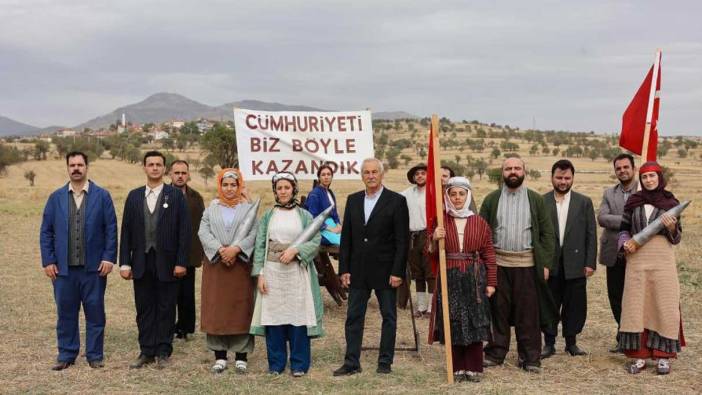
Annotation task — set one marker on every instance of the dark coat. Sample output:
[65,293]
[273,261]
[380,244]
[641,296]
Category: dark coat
[318,201]
[100,229]
[196,206]
[172,234]
[373,252]
[579,247]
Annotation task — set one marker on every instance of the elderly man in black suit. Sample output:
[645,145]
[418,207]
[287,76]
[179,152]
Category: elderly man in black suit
[373,256]
[154,245]
[575,252]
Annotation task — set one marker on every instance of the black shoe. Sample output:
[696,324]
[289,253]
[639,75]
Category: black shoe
[142,361]
[163,361]
[346,370]
[531,368]
[61,365]
[489,363]
[96,364]
[575,351]
[383,368]
[548,351]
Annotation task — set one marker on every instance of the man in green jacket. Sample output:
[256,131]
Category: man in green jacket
[524,242]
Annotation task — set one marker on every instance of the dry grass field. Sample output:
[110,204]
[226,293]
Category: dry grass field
[27,312]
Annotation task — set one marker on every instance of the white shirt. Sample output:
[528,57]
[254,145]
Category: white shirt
[369,202]
[648,209]
[562,210]
[416,205]
[152,196]
[331,199]
[78,195]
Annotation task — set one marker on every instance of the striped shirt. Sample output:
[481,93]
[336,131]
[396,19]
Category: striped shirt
[513,231]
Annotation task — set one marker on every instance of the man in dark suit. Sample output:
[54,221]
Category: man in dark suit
[609,217]
[78,249]
[155,240]
[373,256]
[575,253]
[185,323]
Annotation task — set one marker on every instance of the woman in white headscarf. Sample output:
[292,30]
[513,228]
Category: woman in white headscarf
[472,277]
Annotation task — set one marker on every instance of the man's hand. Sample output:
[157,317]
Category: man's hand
[105,268]
[489,291]
[179,271]
[288,255]
[126,274]
[51,271]
[346,280]
[589,271]
[395,281]
[262,284]
[546,272]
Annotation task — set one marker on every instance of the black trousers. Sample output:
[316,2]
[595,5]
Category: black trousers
[615,289]
[155,305]
[355,321]
[186,303]
[515,301]
[570,297]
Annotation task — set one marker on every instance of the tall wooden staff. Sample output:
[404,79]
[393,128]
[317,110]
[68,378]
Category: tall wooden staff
[442,247]
[649,110]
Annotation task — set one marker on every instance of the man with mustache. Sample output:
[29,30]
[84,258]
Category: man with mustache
[575,252]
[78,249]
[524,242]
[609,217]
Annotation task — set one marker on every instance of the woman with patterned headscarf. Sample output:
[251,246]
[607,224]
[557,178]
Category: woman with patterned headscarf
[227,288]
[288,302]
[472,277]
[651,327]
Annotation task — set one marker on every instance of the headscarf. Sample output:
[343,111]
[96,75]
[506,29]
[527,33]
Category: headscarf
[463,183]
[236,175]
[285,175]
[659,197]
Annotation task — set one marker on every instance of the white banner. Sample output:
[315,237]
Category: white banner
[299,142]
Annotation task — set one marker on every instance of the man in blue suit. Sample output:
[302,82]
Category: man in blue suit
[78,248]
[154,246]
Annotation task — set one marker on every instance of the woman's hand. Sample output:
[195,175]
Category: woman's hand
[670,222]
[439,233]
[262,284]
[630,246]
[288,255]
[489,291]
[336,229]
[229,254]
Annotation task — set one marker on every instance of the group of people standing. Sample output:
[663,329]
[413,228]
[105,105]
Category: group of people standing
[522,260]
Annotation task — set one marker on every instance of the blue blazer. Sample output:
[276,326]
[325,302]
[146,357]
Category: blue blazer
[100,229]
[172,233]
[318,201]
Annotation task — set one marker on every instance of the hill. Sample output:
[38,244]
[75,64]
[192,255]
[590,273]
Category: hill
[10,127]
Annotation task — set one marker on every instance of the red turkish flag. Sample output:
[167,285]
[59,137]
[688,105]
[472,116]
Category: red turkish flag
[634,119]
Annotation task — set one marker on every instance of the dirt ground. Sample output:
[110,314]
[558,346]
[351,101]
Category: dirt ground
[27,312]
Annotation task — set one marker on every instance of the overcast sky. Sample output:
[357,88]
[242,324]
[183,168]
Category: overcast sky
[571,65]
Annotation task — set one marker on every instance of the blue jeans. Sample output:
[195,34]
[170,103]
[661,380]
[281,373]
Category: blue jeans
[78,288]
[277,338]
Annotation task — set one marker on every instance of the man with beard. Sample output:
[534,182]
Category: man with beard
[185,304]
[78,249]
[575,252]
[418,263]
[524,242]
[610,217]
[154,244]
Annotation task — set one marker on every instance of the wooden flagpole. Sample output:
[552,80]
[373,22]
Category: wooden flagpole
[442,248]
[649,111]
